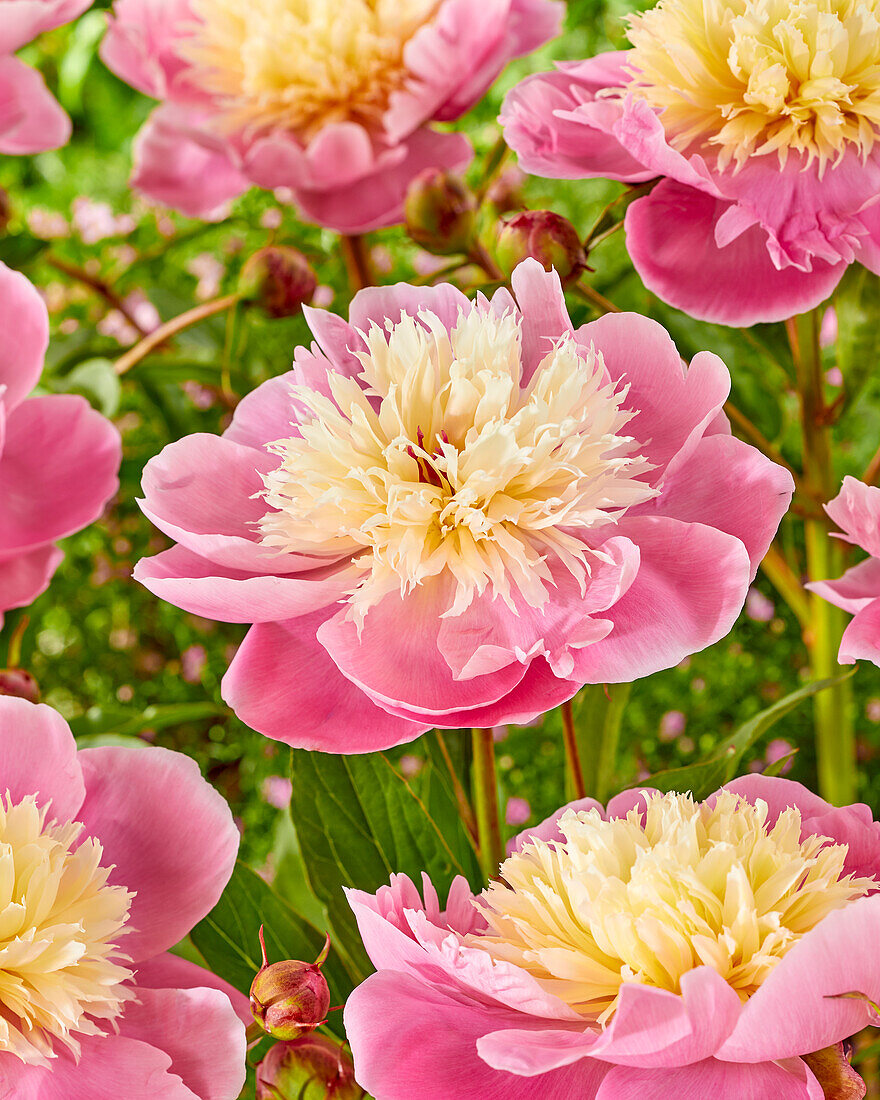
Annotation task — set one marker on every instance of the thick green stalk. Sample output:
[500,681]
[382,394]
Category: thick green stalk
[832,708]
[485,789]
[595,723]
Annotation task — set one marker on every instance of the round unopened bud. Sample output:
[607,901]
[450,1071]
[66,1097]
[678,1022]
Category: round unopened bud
[506,192]
[313,1068]
[17,682]
[290,998]
[279,279]
[547,237]
[441,212]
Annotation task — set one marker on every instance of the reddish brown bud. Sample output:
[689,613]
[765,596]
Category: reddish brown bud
[279,279]
[290,998]
[832,1070]
[5,210]
[17,682]
[441,212]
[550,239]
[313,1068]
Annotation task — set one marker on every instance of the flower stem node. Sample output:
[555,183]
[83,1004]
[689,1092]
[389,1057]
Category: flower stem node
[547,237]
[279,279]
[311,1068]
[441,212]
[289,999]
[20,684]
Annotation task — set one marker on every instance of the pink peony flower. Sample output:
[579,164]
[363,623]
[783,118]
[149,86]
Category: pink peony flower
[762,121]
[31,120]
[856,510]
[58,457]
[110,856]
[331,101]
[658,949]
[455,514]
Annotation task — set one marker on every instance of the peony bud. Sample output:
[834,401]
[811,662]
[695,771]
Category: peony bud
[550,239]
[17,682]
[832,1070]
[290,998]
[279,279]
[312,1068]
[441,212]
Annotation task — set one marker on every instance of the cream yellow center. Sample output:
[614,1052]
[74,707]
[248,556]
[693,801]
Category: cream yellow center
[297,65]
[626,901]
[762,76]
[446,465]
[60,971]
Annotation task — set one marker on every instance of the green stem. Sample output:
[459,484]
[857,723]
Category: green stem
[572,752]
[784,579]
[832,709]
[618,697]
[171,328]
[485,787]
[356,253]
[465,810]
[600,709]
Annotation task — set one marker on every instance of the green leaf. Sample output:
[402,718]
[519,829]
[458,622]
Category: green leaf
[128,723]
[96,380]
[228,938]
[18,250]
[708,775]
[358,822]
[857,302]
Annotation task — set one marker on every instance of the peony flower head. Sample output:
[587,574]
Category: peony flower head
[107,858]
[58,457]
[31,121]
[659,947]
[332,101]
[856,510]
[456,513]
[760,118]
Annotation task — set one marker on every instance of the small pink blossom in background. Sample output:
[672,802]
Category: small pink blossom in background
[672,725]
[95,221]
[31,120]
[517,811]
[272,219]
[168,844]
[47,224]
[340,120]
[776,751]
[58,457]
[759,607]
[499,734]
[425,263]
[856,511]
[192,663]
[323,296]
[671,513]
[209,271]
[410,765]
[834,376]
[872,710]
[277,791]
[828,329]
[480,999]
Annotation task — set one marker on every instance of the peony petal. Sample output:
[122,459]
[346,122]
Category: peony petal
[534,1053]
[265,415]
[38,756]
[31,120]
[856,511]
[549,827]
[861,639]
[25,576]
[376,305]
[24,321]
[857,588]
[168,833]
[718,1080]
[23,20]
[544,313]
[142,43]
[167,971]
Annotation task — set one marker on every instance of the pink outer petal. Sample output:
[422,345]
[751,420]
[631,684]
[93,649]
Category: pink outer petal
[856,511]
[25,576]
[718,1080]
[674,404]
[283,684]
[376,200]
[141,40]
[230,596]
[24,321]
[861,639]
[549,827]
[690,587]
[413,1042]
[199,1030]
[31,121]
[798,1008]
[544,313]
[57,471]
[177,165]
[38,756]
[535,1053]
[857,588]
[671,239]
[266,414]
[23,20]
[560,130]
[169,971]
[377,304]
[169,834]
[731,486]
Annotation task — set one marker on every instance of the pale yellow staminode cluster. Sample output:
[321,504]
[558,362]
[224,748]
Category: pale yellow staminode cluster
[762,76]
[301,64]
[60,971]
[452,466]
[619,901]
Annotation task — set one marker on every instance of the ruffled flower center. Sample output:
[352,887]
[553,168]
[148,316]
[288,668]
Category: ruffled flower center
[297,65]
[441,463]
[648,898]
[60,975]
[752,77]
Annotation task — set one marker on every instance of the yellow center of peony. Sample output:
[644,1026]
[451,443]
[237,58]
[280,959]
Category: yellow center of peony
[762,76]
[298,65]
[621,901]
[445,465]
[59,920]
